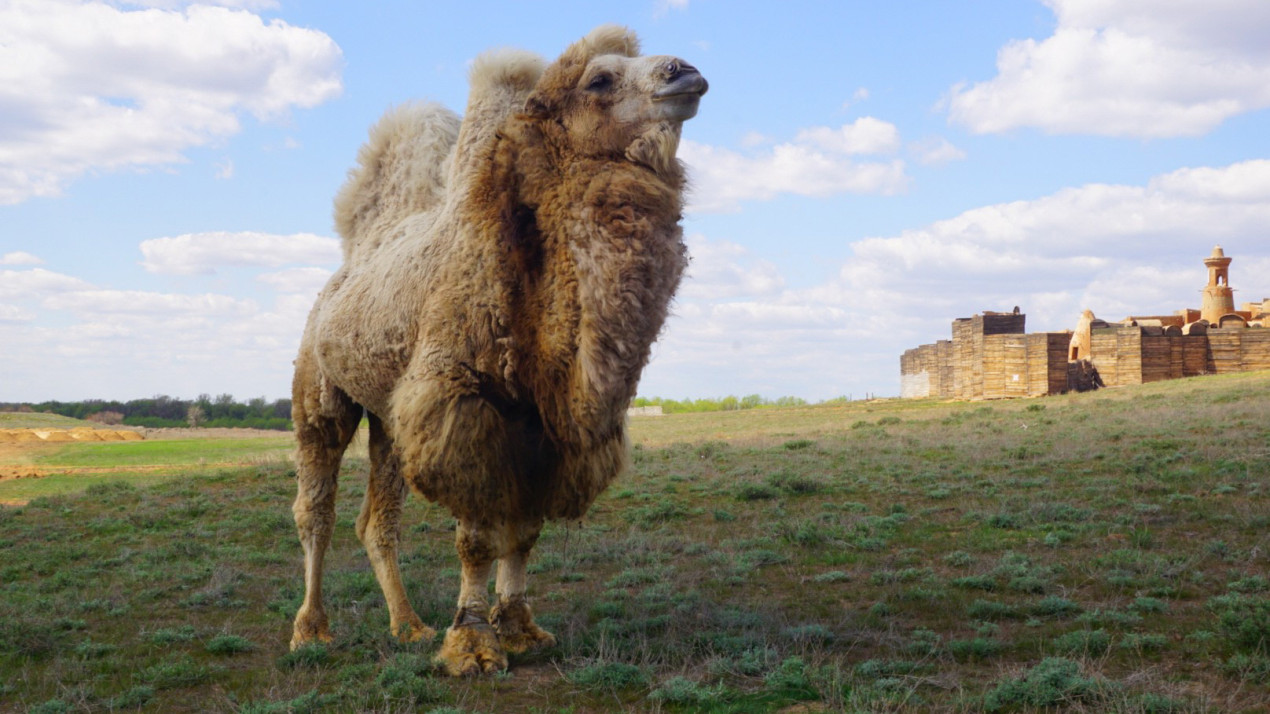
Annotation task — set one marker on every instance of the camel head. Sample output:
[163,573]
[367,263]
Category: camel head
[605,100]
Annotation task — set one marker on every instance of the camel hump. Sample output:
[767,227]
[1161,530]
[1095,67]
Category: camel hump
[501,81]
[401,170]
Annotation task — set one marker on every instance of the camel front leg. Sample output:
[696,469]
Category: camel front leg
[512,618]
[471,646]
[379,529]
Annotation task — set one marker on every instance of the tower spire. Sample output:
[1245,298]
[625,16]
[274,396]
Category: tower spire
[1219,299]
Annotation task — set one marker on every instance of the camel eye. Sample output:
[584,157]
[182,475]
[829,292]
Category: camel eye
[600,82]
[672,69]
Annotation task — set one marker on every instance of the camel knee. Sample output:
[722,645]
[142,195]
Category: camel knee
[313,517]
[379,530]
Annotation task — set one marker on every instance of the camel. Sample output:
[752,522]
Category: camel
[504,278]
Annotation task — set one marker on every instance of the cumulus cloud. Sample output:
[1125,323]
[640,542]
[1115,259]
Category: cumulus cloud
[865,135]
[661,7]
[297,281]
[722,269]
[1133,68]
[150,304]
[36,283]
[13,313]
[253,5]
[100,342]
[935,150]
[203,253]
[90,86]
[20,258]
[820,161]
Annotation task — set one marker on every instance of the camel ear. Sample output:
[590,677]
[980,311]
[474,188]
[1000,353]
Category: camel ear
[603,40]
[537,106]
[611,40]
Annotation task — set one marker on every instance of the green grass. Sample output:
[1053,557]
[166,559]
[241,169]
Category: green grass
[1111,556]
[71,466]
[167,452]
[38,420]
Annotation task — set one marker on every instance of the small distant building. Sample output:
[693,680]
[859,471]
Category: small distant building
[991,357]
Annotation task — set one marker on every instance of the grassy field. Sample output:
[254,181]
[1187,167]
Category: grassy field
[72,466]
[1096,552]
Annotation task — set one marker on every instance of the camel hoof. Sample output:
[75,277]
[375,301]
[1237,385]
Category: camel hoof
[310,628]
[532,638]
[470,650]
[517,631]
[413,630]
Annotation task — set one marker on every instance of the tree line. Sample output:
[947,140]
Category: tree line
[165,411]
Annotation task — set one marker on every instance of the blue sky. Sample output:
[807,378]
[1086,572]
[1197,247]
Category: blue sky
[862,173]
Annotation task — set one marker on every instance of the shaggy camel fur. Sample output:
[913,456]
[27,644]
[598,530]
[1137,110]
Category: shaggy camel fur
[503,281]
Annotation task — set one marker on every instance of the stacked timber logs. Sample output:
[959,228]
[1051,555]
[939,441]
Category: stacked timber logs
[1047,363]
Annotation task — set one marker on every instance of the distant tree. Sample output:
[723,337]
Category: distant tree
[194,416]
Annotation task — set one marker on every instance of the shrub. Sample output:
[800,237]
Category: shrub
[791,679]
[172,635]
[874,669]
[1055,606]
[229,645]
[833,576]
[991,610]
[609,675]
[975,649]
[1246,620]
[976,582]
[681,690]
[755,492]
[134,698]
[1083,642]
[1148,604]
[309,703]
[1053,682]
[313,655]
[406,678]
[179,672]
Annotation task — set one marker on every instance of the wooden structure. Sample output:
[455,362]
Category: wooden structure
[989,357]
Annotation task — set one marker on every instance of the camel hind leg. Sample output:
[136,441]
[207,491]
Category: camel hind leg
[379,528]
[512,618]
[471,646]
[325,421]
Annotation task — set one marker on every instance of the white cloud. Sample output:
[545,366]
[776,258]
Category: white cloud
[661,7]
[21,284]
[20,258]
[13,313]
[89,86]
[137,303]
[721,179]
[1135,68]
[721,269]
[935,150]
[297,281]
[253,5]
[865,135]
[857,96]
[203,253]
[225,169]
